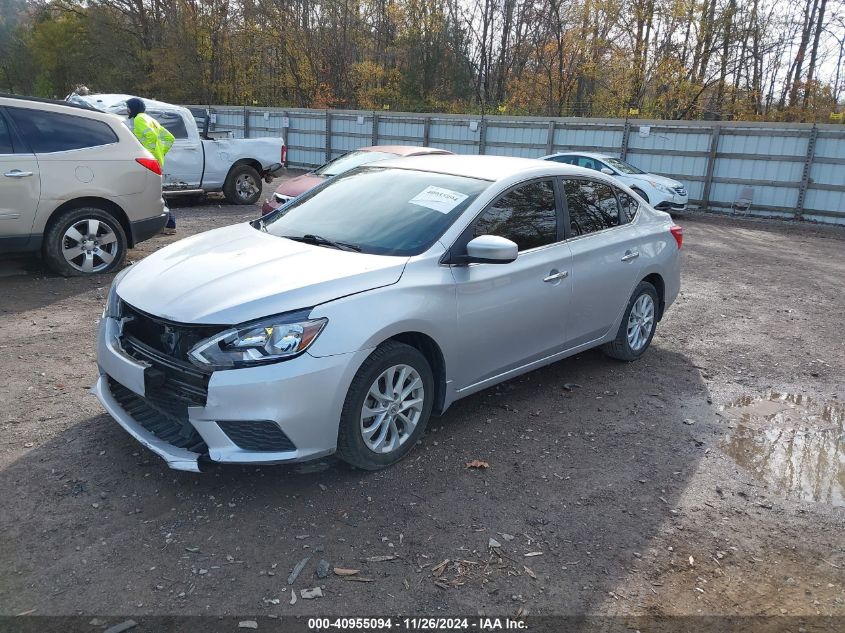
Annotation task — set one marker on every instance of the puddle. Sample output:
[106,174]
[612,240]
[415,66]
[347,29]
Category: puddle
[794,443]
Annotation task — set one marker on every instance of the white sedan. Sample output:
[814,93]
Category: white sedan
[660,192]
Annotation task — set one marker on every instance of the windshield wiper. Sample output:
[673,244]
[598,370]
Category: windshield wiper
[318,240]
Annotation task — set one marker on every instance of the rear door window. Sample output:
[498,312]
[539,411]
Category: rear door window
[592,206]
[47,132]
[589,163]
[526,215]
[172,121]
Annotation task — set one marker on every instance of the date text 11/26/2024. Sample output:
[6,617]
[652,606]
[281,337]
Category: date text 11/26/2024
[416,624]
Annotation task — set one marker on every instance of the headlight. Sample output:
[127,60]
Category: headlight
[660,187]
[257,343]
[112,308]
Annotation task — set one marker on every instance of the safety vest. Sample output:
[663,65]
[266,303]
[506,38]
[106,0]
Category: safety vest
[153,136]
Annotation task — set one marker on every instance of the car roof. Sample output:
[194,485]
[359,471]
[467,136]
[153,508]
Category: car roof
[116,103]
[53,105]
[484,167]
[404,150]
[598,155]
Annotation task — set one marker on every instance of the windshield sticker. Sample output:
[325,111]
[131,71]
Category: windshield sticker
[438,199]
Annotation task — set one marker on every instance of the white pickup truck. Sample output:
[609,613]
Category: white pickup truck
[198,164]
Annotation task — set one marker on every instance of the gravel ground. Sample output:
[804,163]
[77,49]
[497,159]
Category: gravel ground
[707,478]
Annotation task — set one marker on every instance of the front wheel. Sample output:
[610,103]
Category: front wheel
[640,193]
[638,325]
[387,407]
[243,185]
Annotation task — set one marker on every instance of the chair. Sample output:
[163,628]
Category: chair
[743,201]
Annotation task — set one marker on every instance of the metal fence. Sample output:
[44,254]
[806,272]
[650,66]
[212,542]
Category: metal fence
[794,170]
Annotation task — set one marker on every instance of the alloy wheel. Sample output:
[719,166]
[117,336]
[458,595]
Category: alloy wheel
[640,322]
[392,408]
[90,245]
[246,186]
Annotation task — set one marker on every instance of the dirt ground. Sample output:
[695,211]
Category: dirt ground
[707,478]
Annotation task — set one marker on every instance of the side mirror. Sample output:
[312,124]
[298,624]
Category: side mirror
[607,170]
[491,249]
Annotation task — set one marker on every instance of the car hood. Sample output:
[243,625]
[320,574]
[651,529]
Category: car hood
[300,184]
[662,180]
[237,273]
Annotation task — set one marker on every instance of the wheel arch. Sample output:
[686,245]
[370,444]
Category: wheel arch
[252,162]
[104,204]
[429,348]
[657,281]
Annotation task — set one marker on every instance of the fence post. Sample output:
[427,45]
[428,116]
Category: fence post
[285,132]
[626,134]
[375,129]
[426,131]
[711,164]
[328,136]
[482,135]
[550,139]
[805,177]
[246,122]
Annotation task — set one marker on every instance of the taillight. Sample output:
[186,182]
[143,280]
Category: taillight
[678,234]
[284,154]
[150,163]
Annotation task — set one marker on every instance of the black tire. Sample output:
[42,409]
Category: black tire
[640,193]
[351,447]
[55,240]
[235,186]
[620,348]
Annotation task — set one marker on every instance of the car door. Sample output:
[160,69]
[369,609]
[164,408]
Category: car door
[20,189]
[510,315]
[183,165]
[606,263]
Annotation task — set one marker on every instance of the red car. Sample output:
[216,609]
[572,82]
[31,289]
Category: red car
[290,189]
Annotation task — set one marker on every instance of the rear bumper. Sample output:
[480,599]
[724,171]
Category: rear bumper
[274,171]
[145,229]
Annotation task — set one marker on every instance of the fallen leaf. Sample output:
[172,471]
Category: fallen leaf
[533,554]
[380,559]
[477,463]
[493,543]
[342,571]
[529,572]
[691,561]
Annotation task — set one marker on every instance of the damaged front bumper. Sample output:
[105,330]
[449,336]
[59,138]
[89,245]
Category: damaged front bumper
[277,413]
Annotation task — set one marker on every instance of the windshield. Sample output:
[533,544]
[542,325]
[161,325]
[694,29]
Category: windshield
[621,165]
[351,161]
[381,211]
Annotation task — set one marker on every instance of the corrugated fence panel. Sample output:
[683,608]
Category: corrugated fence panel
[393,131]
[591,137]
[768,157]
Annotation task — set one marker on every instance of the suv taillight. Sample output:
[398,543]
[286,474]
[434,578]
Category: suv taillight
[678,234]
[284,154]
[150,163]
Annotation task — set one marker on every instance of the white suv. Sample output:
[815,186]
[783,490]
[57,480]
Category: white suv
[75,185]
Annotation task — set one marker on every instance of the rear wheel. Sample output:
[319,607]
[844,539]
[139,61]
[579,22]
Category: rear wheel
[387,407]
[84,241]
[638,325]
[243,185]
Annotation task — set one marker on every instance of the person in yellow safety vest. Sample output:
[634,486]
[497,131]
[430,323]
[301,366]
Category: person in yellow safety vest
[154,137]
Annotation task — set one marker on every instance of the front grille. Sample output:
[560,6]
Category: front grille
[167,376]
[681,191]
[164,346]
[257,435]
[164,417]
[172,339]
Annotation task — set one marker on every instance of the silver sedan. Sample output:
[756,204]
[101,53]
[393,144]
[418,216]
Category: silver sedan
[342,321]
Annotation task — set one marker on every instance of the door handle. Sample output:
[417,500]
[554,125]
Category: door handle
[629,255]
[17,173]
[556,276]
